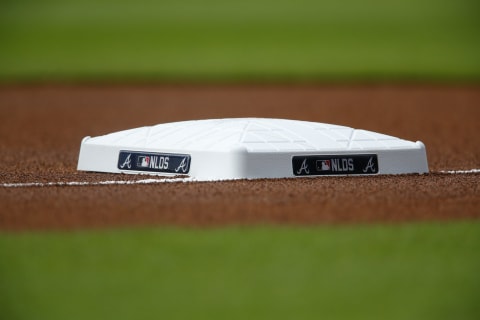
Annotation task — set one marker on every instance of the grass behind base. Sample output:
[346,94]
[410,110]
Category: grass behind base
[249,40]
[413,271]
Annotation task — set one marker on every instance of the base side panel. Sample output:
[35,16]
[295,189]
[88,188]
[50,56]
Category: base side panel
[242,164]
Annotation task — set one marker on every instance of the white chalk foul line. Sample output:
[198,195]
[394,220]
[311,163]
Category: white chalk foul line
[152,181]
[98,183]
[460,171]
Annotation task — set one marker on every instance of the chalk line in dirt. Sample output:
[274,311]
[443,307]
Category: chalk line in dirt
[90,183]
[155,181]
[460,171]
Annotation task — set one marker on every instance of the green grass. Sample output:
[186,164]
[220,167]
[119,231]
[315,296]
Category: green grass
[250,40]
[411,271]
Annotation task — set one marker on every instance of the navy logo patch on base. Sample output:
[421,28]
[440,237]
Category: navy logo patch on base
[335,165]
[154,162]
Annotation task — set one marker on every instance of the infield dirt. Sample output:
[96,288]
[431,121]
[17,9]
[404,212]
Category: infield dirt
[41,128]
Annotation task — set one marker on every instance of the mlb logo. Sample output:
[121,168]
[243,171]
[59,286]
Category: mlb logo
[143,161]
[323,165]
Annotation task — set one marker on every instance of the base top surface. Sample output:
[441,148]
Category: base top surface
[252,134]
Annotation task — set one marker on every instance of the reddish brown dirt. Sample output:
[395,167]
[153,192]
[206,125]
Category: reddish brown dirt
[41,128]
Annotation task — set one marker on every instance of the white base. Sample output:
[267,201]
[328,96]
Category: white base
[253,148]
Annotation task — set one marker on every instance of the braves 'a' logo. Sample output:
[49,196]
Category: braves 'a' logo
[127,163]
[370,166]
[304,167]
[182,166]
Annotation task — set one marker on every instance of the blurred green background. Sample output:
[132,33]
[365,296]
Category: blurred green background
[410,271]
[249,40]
